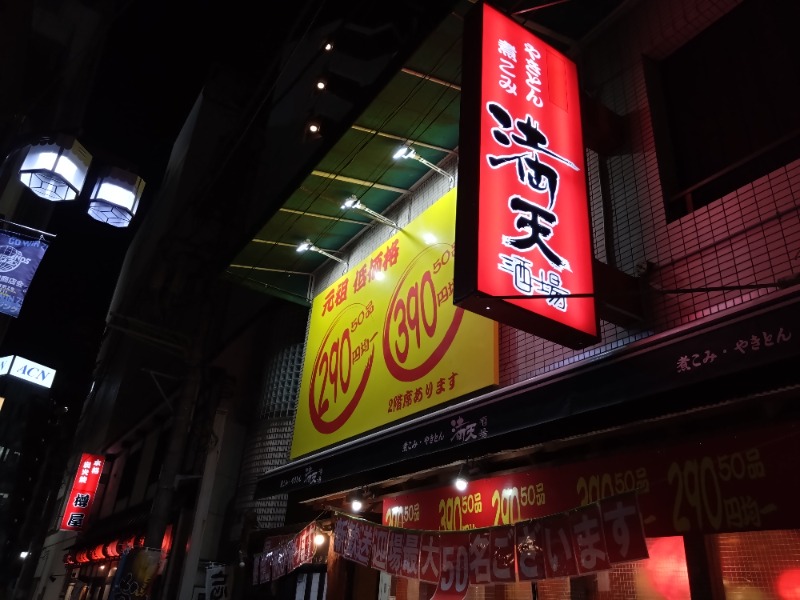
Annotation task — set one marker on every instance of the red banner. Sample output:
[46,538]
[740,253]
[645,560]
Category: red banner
[303,546]
[81,497]
[711,485]
[585,540]
[430,558]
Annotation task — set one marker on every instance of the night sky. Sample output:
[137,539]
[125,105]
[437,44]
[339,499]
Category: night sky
[149,75]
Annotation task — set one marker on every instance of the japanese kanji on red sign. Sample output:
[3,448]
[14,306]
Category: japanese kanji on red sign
[84,488]
[584,540]
[522,218]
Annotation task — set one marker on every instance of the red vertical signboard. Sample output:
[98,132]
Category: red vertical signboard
[84,488]
[524,254]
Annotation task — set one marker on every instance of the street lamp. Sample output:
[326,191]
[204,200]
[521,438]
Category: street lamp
[115,196]
[56,169]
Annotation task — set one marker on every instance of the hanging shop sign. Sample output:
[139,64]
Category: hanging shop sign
[386,342]
[81,497]
[523,229]
[20,256]
[718,484]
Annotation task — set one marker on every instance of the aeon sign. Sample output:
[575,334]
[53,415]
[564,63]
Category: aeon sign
[28,370]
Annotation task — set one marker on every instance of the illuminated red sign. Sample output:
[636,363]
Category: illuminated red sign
[524,254]
[84,488]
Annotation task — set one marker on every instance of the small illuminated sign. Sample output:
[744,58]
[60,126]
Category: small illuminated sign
[522,220]
[84,488]
[28,370]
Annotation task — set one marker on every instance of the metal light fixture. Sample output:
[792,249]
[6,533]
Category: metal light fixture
[55,168]
[307,245]
[115,197]
[461,482]
[354,203]
[408,152]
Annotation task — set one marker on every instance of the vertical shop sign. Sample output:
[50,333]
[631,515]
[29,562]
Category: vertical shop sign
[81,496]
[522,226]
[216,582]
[20,256]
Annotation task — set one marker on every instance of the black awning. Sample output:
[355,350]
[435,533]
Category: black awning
[717,360]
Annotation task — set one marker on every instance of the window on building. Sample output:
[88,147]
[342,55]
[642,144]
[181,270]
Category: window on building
[725,104]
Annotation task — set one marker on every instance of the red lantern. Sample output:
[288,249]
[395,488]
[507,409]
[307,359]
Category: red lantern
[111,549]
[97,553]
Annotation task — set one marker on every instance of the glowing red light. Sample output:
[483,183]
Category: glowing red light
[789,584]
[666,568]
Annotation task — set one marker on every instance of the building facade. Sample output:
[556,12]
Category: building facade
[667,401]
[687,400]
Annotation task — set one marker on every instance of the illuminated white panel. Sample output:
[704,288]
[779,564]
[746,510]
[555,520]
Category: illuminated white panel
[5,364]
[32,372]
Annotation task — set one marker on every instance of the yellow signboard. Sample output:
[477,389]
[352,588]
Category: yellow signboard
[385,341]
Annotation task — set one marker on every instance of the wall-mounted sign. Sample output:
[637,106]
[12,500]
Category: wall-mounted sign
[28,370]
[81,497]
[386,341]
[523,229]
[710,485]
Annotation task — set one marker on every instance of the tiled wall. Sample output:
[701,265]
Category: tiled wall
[270,441]
[750,237]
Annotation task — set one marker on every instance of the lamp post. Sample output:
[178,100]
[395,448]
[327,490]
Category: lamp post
[59,170]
